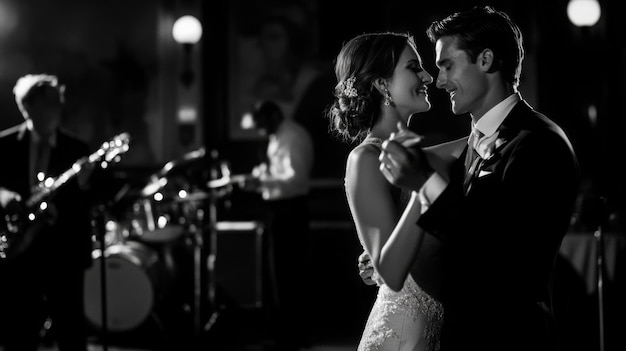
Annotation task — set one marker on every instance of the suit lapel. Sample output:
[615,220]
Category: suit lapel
[515,121]
[510,127]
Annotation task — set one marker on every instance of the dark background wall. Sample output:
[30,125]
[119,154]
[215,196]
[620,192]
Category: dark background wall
[567,71]
[121,67]
[116,60]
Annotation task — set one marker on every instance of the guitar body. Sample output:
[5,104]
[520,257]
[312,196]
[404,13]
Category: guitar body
[16,232]
[22,221]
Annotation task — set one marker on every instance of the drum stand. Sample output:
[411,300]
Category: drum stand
[198,274]
[212,242]
[212,254]
[204,239]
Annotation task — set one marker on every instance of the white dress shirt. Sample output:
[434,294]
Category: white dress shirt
[488,124]
[290,156]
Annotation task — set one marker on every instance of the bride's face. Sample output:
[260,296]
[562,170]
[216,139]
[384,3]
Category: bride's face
[408,85]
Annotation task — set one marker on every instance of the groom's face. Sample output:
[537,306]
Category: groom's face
[463,80]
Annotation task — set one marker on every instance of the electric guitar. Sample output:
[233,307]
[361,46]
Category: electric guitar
[21,221]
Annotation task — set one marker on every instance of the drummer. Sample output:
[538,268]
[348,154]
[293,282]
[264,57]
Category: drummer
[284,182]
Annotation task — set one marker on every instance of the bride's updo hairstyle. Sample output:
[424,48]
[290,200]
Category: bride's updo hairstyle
[361,61]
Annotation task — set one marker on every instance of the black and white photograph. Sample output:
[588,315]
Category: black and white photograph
[312,175]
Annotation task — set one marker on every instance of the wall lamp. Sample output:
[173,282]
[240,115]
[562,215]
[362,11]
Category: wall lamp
[583,13]
[187,31]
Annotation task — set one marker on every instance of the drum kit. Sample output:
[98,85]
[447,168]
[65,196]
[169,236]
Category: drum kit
[153,259]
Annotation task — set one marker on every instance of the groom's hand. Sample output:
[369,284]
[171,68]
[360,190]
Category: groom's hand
[366,270]
[402,160]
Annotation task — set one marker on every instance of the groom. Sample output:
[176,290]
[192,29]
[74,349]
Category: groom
[510,195]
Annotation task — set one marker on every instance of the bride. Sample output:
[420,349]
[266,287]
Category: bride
[381,83]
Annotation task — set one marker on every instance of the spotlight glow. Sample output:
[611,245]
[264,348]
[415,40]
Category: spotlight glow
[187,30]
[583,13]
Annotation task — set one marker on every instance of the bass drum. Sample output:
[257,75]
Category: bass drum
[135,279]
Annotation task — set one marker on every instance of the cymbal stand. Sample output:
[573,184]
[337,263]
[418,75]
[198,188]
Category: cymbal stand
[600,269]
[212,254]
[214,194]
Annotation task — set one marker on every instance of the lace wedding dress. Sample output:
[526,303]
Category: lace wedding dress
[407,320]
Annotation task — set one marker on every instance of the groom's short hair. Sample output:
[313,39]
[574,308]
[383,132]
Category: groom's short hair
[482,28]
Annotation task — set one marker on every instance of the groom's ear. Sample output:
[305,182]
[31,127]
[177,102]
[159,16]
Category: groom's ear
[487,62]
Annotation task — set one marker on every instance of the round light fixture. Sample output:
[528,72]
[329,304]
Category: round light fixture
[187,30]
[583,13]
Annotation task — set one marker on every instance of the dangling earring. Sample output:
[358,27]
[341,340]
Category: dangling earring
[388,99]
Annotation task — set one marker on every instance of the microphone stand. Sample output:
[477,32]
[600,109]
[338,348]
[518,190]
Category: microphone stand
[100,233]
[100,225]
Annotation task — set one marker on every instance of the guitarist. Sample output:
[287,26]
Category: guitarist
[47,278]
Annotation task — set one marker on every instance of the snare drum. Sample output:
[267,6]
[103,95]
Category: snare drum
[135,279]
[156,221]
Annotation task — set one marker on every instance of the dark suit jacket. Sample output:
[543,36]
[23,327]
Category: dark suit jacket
[68,241]
[501,239]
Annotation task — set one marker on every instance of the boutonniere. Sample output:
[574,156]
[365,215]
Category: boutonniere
[488,146]
[492,154]
[500,142]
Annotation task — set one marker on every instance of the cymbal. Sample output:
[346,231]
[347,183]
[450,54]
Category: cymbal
[186,160]
[155,184]
[159,179]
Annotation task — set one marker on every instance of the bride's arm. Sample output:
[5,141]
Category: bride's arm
[392,246]
[369,197]
[400,249]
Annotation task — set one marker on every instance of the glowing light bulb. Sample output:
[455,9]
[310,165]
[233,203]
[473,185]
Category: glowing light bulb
[583,13]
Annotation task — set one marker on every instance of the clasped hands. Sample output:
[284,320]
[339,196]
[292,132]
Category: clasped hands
[402,161]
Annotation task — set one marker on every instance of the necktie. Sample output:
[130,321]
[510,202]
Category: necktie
[472,160]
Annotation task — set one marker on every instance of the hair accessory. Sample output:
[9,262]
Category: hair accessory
[348,88]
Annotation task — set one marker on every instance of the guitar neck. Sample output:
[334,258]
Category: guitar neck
[51,185]
[108,152]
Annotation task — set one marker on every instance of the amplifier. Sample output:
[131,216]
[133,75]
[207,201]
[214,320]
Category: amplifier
[239,263]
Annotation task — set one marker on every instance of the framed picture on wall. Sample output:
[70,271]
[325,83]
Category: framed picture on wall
[272,51]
